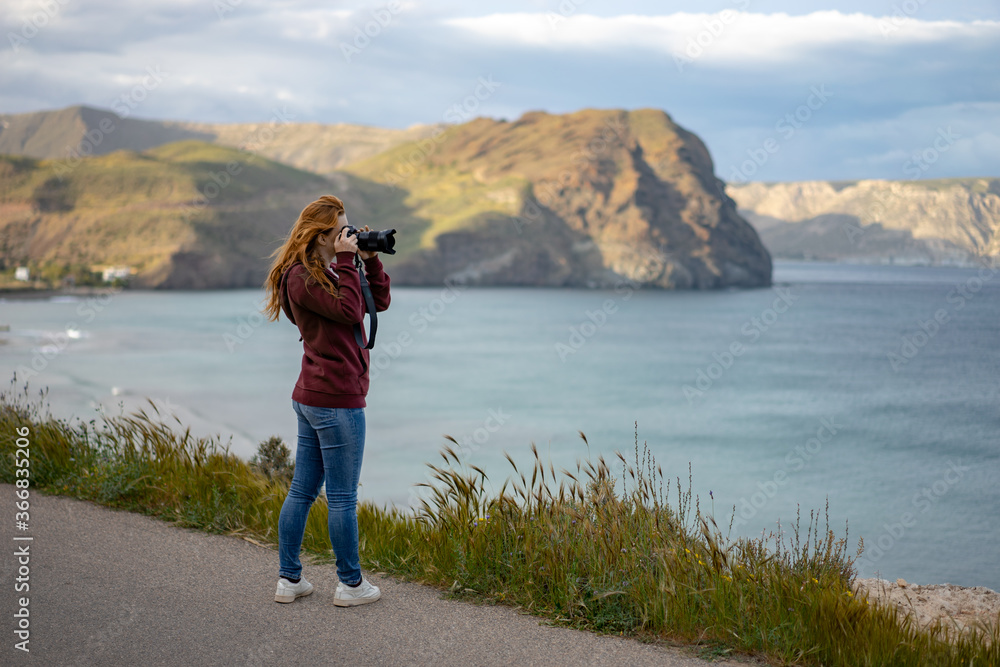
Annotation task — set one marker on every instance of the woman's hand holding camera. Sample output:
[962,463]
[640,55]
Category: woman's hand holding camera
[345,243]
[349,243]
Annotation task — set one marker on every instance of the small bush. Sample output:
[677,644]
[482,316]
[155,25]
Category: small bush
[273,460]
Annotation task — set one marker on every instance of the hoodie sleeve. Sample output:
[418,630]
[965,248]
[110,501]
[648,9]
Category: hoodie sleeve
[348,309]
[378,280]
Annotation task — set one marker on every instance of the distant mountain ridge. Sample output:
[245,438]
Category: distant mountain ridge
[82,130]
[950,221]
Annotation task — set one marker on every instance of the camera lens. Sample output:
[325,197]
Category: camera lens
[386,241]
[382,241]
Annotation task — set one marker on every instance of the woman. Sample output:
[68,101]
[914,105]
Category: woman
[329,397]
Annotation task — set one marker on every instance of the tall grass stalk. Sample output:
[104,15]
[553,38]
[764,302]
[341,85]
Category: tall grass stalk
[620,549]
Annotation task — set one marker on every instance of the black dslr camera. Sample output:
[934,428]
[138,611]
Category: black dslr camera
[382,241]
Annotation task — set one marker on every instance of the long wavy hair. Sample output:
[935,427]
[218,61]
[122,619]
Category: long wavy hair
[316,218]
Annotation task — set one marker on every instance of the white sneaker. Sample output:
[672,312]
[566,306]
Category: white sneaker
[287,591]
[364,593]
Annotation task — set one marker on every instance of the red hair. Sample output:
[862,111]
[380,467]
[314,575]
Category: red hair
[316,218]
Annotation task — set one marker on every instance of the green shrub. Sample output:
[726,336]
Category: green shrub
[273,460]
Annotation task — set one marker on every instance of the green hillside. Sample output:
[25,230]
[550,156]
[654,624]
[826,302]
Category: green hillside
[186,214]
[446,194]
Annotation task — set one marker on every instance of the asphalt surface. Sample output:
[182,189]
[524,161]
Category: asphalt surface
[115,588]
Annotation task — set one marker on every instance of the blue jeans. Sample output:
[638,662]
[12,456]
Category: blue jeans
[330,447]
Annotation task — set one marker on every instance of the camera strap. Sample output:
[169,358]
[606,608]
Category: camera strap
[366,292]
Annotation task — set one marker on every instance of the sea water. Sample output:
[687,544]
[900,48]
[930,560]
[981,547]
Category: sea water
[875,390]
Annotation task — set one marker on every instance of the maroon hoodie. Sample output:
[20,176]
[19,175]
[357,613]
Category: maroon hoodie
[334,369]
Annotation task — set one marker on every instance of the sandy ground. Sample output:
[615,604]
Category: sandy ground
[963,606]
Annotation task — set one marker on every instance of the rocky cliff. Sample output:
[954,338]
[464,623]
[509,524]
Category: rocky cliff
[592,198]
[953,221]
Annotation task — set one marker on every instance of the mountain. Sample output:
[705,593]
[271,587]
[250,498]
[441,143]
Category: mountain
[79,131]
[185,215]
[590,198]
[313,147]
[953,221]
[84,130]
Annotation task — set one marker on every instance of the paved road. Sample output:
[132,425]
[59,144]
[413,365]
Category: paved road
[115,588]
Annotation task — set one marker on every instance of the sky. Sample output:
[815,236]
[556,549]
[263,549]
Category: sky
[778,90]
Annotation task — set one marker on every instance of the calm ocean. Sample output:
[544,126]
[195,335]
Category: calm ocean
[874,388]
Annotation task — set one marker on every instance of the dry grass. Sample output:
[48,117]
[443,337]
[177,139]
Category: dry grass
[625,550]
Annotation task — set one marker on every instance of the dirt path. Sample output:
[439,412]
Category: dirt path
[111,587]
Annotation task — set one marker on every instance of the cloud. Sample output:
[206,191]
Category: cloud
[728,36]
[893,79]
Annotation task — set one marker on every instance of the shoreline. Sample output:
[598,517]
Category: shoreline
[32,293]
[38,293]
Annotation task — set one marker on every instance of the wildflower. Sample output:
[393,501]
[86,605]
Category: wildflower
[815,580]
[710,495]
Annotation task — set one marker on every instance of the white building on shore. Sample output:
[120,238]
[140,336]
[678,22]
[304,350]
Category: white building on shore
[112,273]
